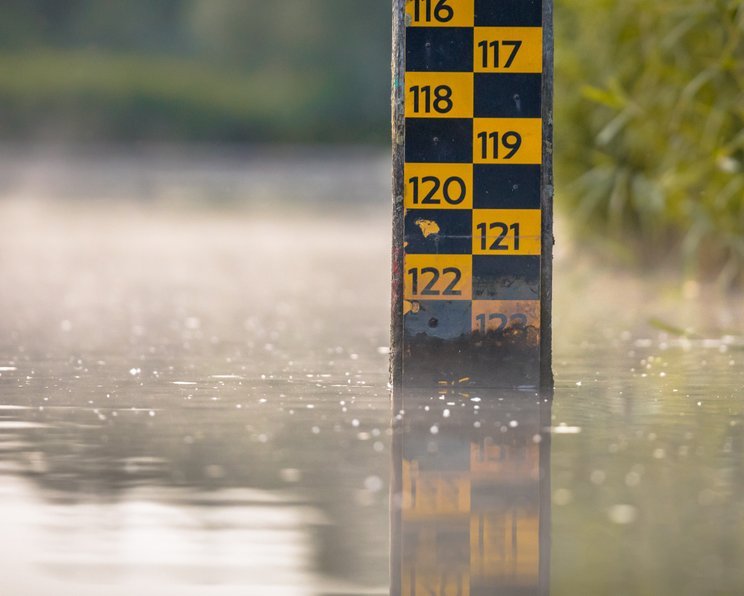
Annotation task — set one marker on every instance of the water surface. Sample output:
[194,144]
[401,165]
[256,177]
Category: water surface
[193,393]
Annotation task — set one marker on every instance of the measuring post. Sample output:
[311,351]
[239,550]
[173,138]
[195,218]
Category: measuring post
[473,193]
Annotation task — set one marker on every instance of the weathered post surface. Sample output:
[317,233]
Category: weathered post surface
[473,193]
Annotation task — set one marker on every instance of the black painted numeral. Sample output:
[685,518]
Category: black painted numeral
[440,101]
[491,52]
[450,289]
[417,277]
[453,190]
[498,243]
[512,141]
[483,321]
[441,12]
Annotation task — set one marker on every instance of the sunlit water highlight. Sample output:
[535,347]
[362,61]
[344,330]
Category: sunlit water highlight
[193,388]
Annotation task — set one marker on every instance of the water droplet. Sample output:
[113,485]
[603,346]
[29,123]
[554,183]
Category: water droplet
[290,475]
[622,514]
[706,497]
[373,484]
[562,496]
[632,479]
[564,429]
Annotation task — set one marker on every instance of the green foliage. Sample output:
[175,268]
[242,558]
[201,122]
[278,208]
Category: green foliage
[195,70]
[650,127]
[82,95]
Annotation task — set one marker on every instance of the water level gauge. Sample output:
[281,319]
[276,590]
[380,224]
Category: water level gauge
[473,183]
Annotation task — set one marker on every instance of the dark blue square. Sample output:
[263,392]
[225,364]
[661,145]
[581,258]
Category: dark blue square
[439,49]
[439,140]
[505,95]
[454,235]
[506,186]
[506,277]
[508,13]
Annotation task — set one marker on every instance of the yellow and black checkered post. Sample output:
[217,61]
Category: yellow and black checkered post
[473,183]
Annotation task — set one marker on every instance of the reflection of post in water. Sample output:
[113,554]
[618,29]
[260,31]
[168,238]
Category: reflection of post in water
[471,496]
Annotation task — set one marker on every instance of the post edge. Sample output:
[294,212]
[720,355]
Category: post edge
[396,302]
[546,200]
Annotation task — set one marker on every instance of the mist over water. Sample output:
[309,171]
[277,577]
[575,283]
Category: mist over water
[193,389]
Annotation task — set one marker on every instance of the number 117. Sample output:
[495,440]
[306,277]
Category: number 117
[496,46]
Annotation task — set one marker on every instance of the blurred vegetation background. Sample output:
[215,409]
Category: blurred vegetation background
[195,70]
[650,129]
[649,98]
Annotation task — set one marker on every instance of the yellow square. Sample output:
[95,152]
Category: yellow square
[438,186]
[438,277]
[507,231]
[508,49]
[440,13]
[499,315]
[507,140]
[439,95]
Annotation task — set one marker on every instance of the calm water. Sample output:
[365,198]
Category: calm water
[193,399]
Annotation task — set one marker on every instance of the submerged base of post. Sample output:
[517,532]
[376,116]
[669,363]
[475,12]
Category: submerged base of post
[505,359]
